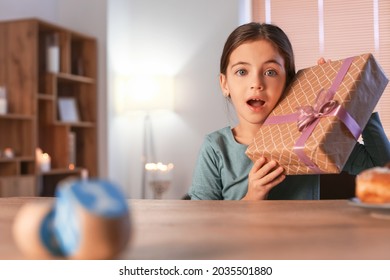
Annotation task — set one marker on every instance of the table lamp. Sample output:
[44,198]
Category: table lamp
[147,94]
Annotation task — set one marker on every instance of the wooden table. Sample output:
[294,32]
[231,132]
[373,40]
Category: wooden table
[182,229]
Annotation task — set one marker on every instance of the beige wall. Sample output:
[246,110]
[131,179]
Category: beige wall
[183,39]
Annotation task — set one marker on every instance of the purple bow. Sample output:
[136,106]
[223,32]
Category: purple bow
[323,106]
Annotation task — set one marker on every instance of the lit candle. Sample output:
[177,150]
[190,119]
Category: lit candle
[8,153]
[160,171]
[161,177]
[45,162]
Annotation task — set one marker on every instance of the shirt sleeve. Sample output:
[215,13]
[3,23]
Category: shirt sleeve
[206,182]
[374,152]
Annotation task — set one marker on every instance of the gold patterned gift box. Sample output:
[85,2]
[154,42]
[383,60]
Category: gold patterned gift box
[314,127]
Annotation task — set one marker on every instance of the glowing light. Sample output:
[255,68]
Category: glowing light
[144,93]
[159,166]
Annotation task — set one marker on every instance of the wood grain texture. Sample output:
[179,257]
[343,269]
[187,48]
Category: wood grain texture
[182,229]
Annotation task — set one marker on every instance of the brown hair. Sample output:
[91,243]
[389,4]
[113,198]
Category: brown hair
[256,31]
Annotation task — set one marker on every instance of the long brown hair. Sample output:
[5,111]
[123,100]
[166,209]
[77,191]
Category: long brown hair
[255,31]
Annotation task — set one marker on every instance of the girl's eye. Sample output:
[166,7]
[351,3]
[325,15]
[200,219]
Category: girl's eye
[241,72]
[270,73]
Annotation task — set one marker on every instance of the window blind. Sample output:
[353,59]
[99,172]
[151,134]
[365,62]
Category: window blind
[335,30]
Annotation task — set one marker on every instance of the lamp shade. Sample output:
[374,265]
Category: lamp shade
[145,93]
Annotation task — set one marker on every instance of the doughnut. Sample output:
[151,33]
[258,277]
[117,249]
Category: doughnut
[373,185]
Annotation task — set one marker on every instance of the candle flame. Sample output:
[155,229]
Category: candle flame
[159,166]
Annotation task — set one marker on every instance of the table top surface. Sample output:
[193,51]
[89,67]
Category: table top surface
[184,229]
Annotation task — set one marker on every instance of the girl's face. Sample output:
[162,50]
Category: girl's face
[255,80]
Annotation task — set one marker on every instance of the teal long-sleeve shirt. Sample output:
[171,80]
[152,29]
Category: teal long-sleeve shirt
[222,168]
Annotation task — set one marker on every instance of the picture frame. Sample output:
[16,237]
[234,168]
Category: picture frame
[68,110]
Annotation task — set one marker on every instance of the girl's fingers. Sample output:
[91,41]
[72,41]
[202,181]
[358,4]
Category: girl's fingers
[257,165]
[323,61]
[274,178]
[266,169]
[262,178]
[271,176]
[264,172]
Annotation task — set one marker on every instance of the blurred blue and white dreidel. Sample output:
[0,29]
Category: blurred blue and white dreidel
[89,220]
[33,231]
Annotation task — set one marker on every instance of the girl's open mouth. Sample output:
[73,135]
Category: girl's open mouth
[255,103]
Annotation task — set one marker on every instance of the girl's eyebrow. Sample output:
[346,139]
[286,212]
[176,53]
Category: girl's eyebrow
[240,63]
[266,62]
[273,61]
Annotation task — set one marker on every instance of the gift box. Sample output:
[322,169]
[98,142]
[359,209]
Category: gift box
[316,124]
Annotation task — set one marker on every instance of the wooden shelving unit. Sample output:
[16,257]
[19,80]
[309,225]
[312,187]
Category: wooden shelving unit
[33,119]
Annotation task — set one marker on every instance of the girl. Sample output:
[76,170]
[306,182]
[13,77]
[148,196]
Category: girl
[257,64]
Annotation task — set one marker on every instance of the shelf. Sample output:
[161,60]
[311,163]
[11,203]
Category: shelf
[62,171]
[75,78]
[43,96]
[17,117]
[76,124]
[16,159]
[17,133]
[24,185]
[33,97]
[17,166]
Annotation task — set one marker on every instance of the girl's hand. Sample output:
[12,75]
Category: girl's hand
[262,178]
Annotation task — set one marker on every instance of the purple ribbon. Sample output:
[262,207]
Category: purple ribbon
[307,117]
[323,106]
